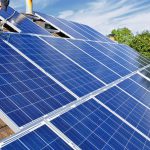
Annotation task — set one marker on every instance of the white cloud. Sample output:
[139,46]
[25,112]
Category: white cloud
[105,15]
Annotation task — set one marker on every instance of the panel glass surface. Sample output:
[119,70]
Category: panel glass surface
[25,92]
[101,57]
[146,72]
[128,108]
[97,36]
[42,138]
[57,65]
[95,33]
[98,69]
[58,24]
[22,22]
[92,127]
[138,87]
[109,51]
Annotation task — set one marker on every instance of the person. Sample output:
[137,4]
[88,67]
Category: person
[4,4]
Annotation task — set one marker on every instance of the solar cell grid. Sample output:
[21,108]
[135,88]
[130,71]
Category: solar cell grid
[132,59]
[101,57]
[133,52]
[95,33]
[91,126]
[146,72]
[77,29]
[127,107]
[118,118]
[108,51]
[25,92]
[138,87]
[61,26]
[22,22]
[42,138]
[82,58]
[97,36]
[57,65]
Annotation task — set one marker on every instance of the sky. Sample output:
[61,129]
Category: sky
[102,15]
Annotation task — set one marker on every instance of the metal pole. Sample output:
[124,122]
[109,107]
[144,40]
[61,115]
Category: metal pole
[29,7]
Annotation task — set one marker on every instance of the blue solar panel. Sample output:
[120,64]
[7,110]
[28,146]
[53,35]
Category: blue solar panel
[67,72]
[146,72]
[130,57]
[25,92]
[22,22]
[73,29]
[138,87]
[78,29]
[86,29]
[61,26]
[124,60]
[42,138]
[101,57]
[130,53]
[98,35]
[128,108]
[92,127]
[97,68]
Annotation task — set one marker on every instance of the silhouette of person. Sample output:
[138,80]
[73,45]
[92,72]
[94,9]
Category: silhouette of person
[4,4]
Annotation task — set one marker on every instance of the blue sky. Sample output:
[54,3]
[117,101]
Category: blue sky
[103,15]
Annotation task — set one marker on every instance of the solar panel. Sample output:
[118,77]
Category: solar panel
[128,107]
[61,26]
[98,36]
[68,73]
[138,87]
[146,72]
[91,31]
[73,29]
[97,68]
[22,22]
[91,126]
[25,92]
[42,138]
[124,60]
[86,92]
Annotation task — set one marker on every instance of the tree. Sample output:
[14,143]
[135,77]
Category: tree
[123,35]
[141,43]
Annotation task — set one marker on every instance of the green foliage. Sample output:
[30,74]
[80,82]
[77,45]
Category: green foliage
[140,42]
[123,35]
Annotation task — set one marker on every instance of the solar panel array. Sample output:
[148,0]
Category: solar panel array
[85,92]
[73,29]
[21,22]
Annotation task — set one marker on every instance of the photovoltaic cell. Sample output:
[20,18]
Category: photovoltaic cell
[25,92]
[130,53]
[22,22]
[77,29]
[124,61]
[98,36]
[101,57]
[133,59]
[138,87]
[58,24]
[128,108]
[57,65]
[146,72]
[97,68]
[42,138]
[91,126]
